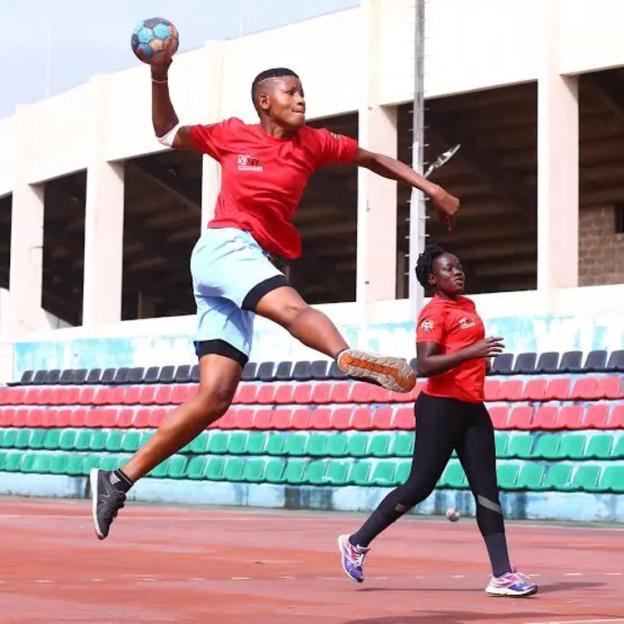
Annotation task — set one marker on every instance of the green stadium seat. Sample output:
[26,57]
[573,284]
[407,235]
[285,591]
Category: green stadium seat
[52,438]
[586,478]
[254,468]
[402,445]
[58,465]
[547,446]
[337,472]
[22,439]
[315,471]
[177,467]
[234,467]
[27,463]
[294,473]
[531,477]
[618,449]
[73,465]
[274,470]
[2,438]
[42,463]
[37,437]
[360,472]
[357,445]
[257,442]
[572,445]
[131,440]
[295,445]
[214,468]
[337,445]
[520,445]
[196,468]
[67,441]
[237,443]
[199,445]
[507,476]
[217,442]
[90,461]
[276,443]
[383,473]
[82,441]
[379,445]
[3,455]
[598,447]
[109,462]
[558,477]
[98,440]
[8,439]
[147,435]
[402,473]
[317,444]
[612,479]
[453,476]
[501,440]
[114,440]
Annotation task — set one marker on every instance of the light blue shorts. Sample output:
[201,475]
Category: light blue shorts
[231,273]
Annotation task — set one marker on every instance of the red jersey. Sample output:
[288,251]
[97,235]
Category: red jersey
[263,177]
[454,325]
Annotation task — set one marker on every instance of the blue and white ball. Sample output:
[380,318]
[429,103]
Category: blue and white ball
[155,40]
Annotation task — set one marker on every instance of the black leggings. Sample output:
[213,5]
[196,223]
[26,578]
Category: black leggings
[444,425]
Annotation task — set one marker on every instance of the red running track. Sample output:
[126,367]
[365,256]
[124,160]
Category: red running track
[222,566]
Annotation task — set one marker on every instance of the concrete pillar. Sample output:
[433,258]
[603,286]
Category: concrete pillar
[557,167]
[377,196]
[104,217]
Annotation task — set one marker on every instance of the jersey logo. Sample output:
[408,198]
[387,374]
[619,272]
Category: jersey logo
[246,162]
[466,323]
[427,325]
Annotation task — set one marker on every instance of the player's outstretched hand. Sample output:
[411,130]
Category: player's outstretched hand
[488,347]
[160,70]
[447,206]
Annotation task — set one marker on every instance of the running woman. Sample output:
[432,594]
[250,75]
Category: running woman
[265,168]
[450,415]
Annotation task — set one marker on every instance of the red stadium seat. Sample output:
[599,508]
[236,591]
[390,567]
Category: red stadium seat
[141,418]
[302,393]
[321,392]
[499,414]
[521,417]
[616,419]
[77,417]
[56,395]
[340,392]
[610,387]
[19,418]
[404,418]
[243,418]
[34,418]
[546,417]
[227,421]
[284,393]
[246,393]
[262,419]
[6,416]
[361,392]
[32,396]
[596,417]
[48,417]
[102,396]
[511,390]
[92,417]
[63,417]
[302,417]
[558,389]
[125,416]
[45,396]
[148,395]
[491,389]
[585,389]
[85,396]
[131,395]
[265,394]
[570,417]
[5,394]
[382,418]
[281,419]
[17,396]
[362,419]
[163,394]
[157,416]
[340,418]
[535,390]
[68,395]
[183,392]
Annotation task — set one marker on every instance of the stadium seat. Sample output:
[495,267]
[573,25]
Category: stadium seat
[507,475]
[357,445]
[404,419]
[359,473]
[321,392]
[151,375]
[167,374]
[67,440]
[196,468]
[340,418]
[599,446]
[121,375]
[501,440]
[262,419]
[616,361]
[22,438]
[246,393]
[195,375]
[339,392]
[610,387]
[51,440]
[182,374]
[535,390]
[453,476]
[302,393]
[595,362]
[596,416]
[383,474]
[37,437]
[27,377]
[317,444]
[237,443]
[281,419]
[276,444]
[362,419]
[217,443]
[402,445]
[156,416]
[295,444]
[546,417]
[249,371]
[131,441]
[499,415]
[283,371]
[571,362]
[265,371]
[302,418]
[131,395]
[274,470]
[570,417]
[257,442]
[98,440]
[520,446]
[136,375]
[572,446]
[265,394]
[199,444]
[558,389]
[284,393]
[94,376]
[124,418]
[214,468]
[511,390]
[531,477]
[315,472]
[253,470]
[547,363]
[525,364]
[502,364]
[319,369]
[616,418]
[586,478]
[302,371]
[558,477]
[547,446]
[294,471]
[379,445]
[337,445]
[521,417]
[337,472]
[382,418]
[177,467]
[334,372]
[612,479]
[491,389]
[40,377]
[53,377]
[402,472]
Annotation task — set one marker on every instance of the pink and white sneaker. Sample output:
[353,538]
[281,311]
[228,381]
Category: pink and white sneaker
[512,583]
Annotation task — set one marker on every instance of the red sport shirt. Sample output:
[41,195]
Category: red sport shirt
[263,177]
[454,325]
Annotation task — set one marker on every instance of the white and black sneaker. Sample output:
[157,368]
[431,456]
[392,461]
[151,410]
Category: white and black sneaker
[106,501]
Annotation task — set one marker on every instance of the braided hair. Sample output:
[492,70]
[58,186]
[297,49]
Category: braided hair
[274,72]
[424,264]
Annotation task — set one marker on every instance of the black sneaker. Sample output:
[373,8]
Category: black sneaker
[106,501]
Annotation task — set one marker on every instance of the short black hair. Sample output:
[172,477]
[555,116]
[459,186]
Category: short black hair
[424,264]
[274,72]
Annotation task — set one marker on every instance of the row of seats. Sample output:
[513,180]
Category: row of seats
[531,476]
[504,364]
[579,446]
[583,388]
[547,416]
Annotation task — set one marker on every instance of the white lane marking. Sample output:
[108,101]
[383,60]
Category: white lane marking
[381,578]
[419,577]
[146,580]
[197,579]
[44,581]
[458,576]
[609,621]
[287,578]
[96,580]
[613,573]
[241,578]
[331,578]
[573,574]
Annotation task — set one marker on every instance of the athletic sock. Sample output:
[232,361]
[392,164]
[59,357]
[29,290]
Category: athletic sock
[120,481]
[497,550]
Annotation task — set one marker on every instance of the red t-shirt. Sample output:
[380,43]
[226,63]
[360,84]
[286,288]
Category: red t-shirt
[263,177]
[454,325]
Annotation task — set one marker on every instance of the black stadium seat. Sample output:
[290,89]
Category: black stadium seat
[249,371]
[616,361]
[595,361]
[79,376]
[502,364]
[525,364]
[302,371]
[27,377]
[108,375]
[121,376]
[265,371]
[183,374]
[195,373]
[548,362]
[136,375]
[283,372]
[571,362]
[335,372]
[151,375]
[318,369]
[94,376]
[40,377]
[66,376]
[167,374]
[53,376]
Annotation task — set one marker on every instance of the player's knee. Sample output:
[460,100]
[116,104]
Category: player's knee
[293,311]
[214,401]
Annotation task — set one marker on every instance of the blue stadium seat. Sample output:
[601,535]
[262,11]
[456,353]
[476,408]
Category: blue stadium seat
[525,364]
[249,372]
[595,362]
[40,377]
[571,362]
[136,375]
[548,362]
[302,371]
[502,364]
[66,376]
[265,371]
[616,361]
[183,374]
[334,372]
[318,369]
[94,376]
[167,374]
[121,375]
[79,376]
[108,375]
[151,375]
[53,376]
[284,370]
[27,377]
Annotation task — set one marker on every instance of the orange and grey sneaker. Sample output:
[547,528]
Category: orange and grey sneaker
[390,372]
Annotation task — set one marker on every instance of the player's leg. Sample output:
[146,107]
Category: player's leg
[435,439]
[477,454]
[286,307]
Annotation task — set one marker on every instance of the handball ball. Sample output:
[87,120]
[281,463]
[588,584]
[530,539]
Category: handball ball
[452,514]
[154,40]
